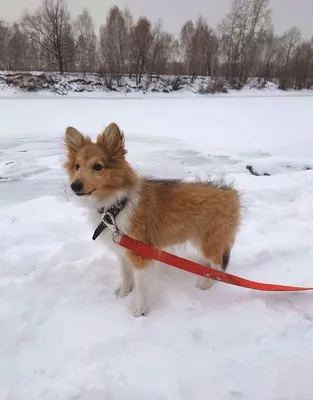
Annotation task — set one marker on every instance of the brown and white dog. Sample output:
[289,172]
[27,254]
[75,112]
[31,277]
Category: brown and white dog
[161,213]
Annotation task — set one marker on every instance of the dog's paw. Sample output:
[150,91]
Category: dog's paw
[140,311]
[204,283]
[123,290]
[140,308]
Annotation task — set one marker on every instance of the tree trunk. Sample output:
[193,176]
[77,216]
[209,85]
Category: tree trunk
[61,64]
[141,70]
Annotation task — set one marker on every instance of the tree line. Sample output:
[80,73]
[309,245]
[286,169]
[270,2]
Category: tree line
[243,45]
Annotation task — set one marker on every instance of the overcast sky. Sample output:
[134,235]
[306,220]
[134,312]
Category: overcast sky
[286,13]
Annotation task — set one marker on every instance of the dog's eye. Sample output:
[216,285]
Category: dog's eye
[76,166]
[97,167]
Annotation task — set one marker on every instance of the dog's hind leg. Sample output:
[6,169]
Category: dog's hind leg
[206,283]
[216,255]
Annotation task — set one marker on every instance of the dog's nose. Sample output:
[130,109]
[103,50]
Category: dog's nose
[77,186]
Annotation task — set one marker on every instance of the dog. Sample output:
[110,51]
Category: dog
[161,213]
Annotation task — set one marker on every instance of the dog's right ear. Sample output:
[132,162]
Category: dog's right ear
[74,140]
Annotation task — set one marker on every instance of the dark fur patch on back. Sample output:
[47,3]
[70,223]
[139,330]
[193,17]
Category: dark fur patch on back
[166,182]
[218,183]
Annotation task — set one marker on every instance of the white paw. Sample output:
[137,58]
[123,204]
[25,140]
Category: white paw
[123,290]
[140,309]
[205,283]
[140,312]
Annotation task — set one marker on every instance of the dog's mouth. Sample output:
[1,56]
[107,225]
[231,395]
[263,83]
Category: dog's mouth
[85,194]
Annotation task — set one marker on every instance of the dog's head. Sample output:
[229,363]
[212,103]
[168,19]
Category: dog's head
[98,169]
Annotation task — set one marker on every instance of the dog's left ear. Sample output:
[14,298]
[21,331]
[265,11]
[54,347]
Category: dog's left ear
[112,139]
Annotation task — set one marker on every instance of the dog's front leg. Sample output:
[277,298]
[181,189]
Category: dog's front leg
[139,265]
[127,278]
[140,294]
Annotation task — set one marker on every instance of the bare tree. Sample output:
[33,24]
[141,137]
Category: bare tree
[86,53]
[302,62]
[34,57]
[166,54]
[156,44]
[161,50]
[205,46]
[289,43]
[269,53]
[199,47]
[290,40]
[232,29]
[113,41]
[128,41]
[50,28]
[187,34]
[214,49]
[4,45]
[18,49]
[258,20]
[141,43]
[243,31]
[175,65]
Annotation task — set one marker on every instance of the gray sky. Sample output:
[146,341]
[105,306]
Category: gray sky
[286,13]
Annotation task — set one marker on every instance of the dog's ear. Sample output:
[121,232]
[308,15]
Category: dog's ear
[112,139]
[74,140]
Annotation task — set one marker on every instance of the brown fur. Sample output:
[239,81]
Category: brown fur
[168,213]
[177,212]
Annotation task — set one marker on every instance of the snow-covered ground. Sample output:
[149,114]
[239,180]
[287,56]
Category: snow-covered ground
[53,84]
[64,335]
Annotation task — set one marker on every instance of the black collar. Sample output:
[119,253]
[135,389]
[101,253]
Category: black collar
[114,211]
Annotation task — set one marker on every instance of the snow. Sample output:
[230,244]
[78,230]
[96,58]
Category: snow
[64,335]
[52,84]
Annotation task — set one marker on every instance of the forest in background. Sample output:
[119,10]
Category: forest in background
[243,45]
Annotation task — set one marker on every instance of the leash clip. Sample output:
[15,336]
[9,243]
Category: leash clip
[109,222]
[116,234]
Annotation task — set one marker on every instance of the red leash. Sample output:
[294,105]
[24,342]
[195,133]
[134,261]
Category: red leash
[147,251]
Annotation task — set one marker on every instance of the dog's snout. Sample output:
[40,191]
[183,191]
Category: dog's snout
[77,186]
